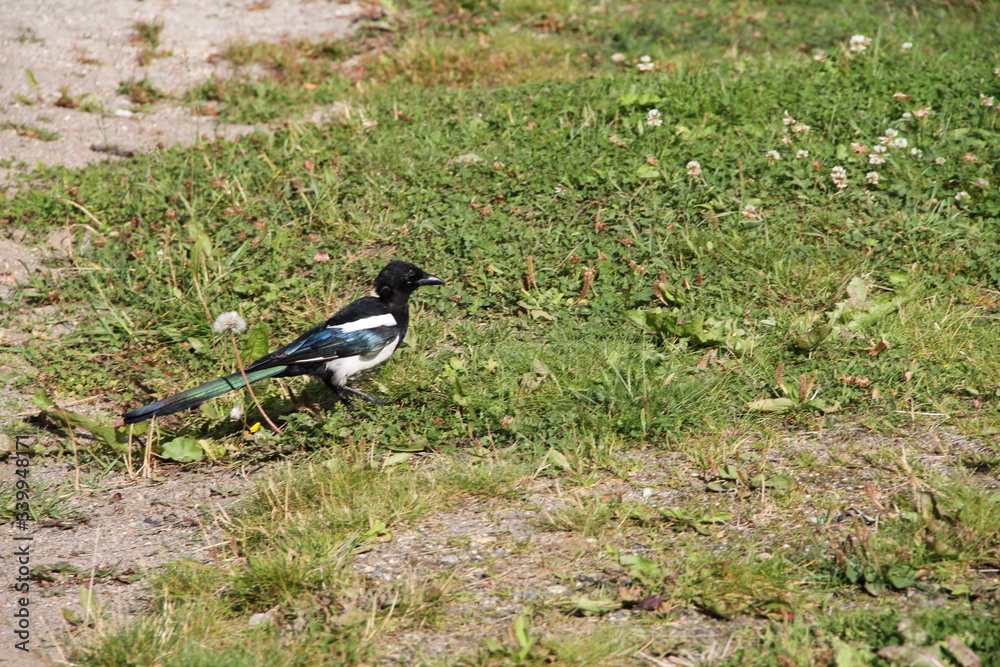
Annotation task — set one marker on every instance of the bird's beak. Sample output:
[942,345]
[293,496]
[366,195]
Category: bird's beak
[430,280]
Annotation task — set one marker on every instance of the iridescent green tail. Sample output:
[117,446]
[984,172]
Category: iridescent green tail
[198,395]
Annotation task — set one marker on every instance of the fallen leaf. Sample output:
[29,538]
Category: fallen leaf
[878,347]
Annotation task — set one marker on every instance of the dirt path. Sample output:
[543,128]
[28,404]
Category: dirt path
[55,54]
[83,50]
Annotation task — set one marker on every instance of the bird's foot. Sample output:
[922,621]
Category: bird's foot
[362,395]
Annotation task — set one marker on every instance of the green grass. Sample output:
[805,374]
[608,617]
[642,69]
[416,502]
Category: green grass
[30,131]
[801,348]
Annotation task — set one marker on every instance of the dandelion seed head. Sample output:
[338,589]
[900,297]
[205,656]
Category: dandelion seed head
[236,413]
[230,321]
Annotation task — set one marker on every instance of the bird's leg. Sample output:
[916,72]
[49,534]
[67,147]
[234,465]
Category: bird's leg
[366,397]
[338,394]
[341,393]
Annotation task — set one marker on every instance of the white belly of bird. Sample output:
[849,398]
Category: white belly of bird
[346,367]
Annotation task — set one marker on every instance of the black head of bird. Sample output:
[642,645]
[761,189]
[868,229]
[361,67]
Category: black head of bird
[399,279]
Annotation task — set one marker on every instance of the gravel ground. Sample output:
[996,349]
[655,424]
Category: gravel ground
[87,47]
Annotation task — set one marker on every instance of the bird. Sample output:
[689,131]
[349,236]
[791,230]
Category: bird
[359,336]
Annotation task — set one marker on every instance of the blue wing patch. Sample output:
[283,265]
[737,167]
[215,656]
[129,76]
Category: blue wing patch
[323,343]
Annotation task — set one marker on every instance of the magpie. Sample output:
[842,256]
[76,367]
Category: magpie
[361,335]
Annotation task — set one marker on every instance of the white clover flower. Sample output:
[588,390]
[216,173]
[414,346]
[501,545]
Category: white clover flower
[788,120]
[772,155]
[750,212]
[860,42]
[693,168]
[859,148]
[801,128]
[917,153]
[906,116]
[900,96]
[236,413]
[876,158]
[880,149]
[890,134]
[940,160]
[985,101]
[230,321]
[646,64]
[801,155]
[898,142]
[982,182]
[618,58]
[961,196]
[369,123]
[819,56]
[839,177]
[786,138]
[906,46]
[923,112]
[653,118]
[873,177]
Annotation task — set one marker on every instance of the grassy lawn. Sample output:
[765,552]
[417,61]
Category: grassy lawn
[714,375]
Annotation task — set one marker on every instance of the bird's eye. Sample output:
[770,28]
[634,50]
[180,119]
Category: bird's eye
[412,276]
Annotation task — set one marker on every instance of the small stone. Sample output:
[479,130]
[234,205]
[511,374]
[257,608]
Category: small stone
[258,619]
[450,559]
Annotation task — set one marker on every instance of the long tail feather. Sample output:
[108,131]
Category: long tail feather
[198,395]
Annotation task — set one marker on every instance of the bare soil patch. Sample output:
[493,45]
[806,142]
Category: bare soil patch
[57,53]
